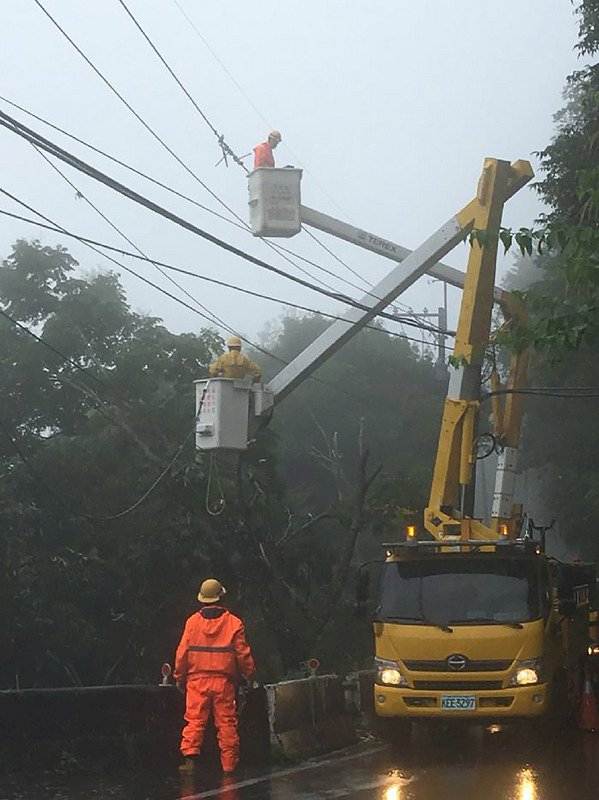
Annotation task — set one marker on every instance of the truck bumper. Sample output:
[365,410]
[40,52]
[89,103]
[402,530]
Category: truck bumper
[515,702]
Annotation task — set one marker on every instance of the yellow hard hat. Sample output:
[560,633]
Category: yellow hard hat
[234,341]
[211,591]
[275,135]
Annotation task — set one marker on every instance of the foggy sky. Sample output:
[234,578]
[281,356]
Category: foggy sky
[390,106]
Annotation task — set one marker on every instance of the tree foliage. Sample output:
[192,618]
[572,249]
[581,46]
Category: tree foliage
[89,420]
[564,302]
[560,285]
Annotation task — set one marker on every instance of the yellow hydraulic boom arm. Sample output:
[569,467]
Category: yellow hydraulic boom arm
[449,512]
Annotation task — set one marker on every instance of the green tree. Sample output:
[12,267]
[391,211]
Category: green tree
[564,302]
[91,418]
[561,287]
[83,595]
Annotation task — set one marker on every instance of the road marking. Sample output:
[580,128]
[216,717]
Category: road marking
[389,781]
[284,772]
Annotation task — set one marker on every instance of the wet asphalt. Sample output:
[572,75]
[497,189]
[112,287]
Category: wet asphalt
[460,764]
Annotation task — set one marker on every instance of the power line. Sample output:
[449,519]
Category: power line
[62,230]
[253,105]
[215,56]
[131,109]
[227,151]
[35,138]
[151,130]
[226,148]
[256,346]
[51,347]
[215,319]
[240,225]
[92,517]
[568,393]
[181,270]
[123,164]
[395,304]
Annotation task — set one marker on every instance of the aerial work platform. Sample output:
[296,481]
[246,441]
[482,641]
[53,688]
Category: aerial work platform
[276,211]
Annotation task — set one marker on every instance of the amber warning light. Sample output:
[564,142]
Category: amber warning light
[410,532]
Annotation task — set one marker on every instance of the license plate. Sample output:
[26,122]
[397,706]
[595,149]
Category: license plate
[458,702]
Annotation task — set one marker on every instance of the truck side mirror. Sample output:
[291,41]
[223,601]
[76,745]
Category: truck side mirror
[362,593]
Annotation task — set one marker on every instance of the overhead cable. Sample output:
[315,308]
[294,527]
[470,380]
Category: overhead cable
[253,105]
[153,132]
[50,147]
[132,110]
[195,310]
[565,392]
[227,151]
[126,511]
[123,164]
[51,347]
[225,148]
[121,233]
[241,225]
[190,273]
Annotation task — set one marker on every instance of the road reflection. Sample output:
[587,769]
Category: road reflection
[443,764]
[526,788]
[467,764]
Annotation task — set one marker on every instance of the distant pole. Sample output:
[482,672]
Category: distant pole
[442,318]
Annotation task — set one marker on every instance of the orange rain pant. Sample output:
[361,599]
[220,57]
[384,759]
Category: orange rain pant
[214,693]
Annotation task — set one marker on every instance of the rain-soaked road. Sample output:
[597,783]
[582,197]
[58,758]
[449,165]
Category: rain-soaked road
[460,765]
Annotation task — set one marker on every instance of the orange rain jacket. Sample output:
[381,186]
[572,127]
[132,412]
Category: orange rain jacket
[212,653]
[263,155]
[213,643]
[235,365]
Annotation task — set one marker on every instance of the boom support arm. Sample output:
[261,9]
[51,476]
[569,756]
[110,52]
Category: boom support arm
[449,512]
[379,297]
[383,247]
[413,264]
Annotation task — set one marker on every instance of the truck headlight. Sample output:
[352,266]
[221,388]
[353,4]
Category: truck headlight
[527,672]
[388,673]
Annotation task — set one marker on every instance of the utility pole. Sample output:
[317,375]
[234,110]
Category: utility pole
[441,318]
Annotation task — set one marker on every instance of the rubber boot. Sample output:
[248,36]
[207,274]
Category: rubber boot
[189,765]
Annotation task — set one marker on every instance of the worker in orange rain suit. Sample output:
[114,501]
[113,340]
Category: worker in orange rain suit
[234,364]
[212,656]
[263,155]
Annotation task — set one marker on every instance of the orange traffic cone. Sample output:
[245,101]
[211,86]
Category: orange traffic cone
[589,718]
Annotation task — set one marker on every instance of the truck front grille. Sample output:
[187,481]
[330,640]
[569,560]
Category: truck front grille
[457,686]
[471,666]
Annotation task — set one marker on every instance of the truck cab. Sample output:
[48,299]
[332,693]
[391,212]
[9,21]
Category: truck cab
[487,631]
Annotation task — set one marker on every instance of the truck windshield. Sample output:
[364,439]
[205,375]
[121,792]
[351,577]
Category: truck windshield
[460,591]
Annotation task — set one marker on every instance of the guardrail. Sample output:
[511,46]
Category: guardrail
[310,716]
[113,725]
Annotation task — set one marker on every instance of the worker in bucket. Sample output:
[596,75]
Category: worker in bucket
[212,656]
[263,155]
[234,364]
